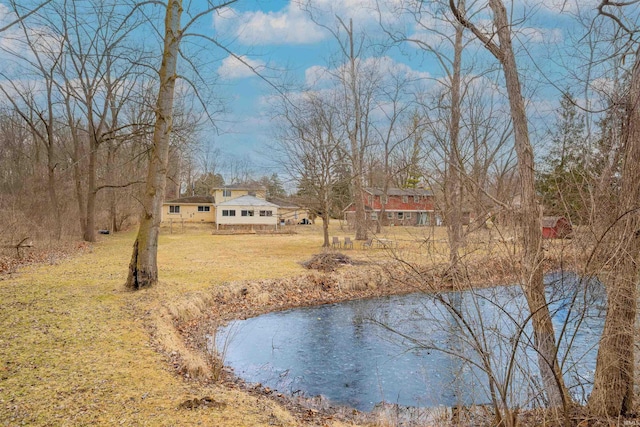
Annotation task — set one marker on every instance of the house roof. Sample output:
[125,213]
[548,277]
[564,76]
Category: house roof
[191,200]
[552,221]
[400,192]
[241,187]
[247,201]
[283,203]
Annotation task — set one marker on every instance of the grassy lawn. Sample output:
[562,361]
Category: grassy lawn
[75,347]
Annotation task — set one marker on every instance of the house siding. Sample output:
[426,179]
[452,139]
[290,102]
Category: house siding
[246,203]
[420,209]
[219,196]
[188,213]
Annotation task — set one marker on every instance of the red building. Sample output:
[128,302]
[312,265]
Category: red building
[402,206]
[556,227]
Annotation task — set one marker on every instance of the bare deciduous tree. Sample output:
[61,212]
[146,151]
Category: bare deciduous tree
[43,54]
[311,149]
[500,46]
[23,13]
[143,268]
[357,80]
[613,390]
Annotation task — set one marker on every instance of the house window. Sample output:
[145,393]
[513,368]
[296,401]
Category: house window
[226,193]
[400,215]
[407,215]
[266,213]
[416,199]
[389,215]
[405,199]
[174,209]
[374,216]
[247,213]
[228,212]
[204,208]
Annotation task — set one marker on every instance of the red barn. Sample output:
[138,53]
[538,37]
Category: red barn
[556,227]
[402,206]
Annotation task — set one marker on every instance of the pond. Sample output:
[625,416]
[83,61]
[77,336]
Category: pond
[418,349]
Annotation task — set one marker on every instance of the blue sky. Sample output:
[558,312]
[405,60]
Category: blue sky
[279,38]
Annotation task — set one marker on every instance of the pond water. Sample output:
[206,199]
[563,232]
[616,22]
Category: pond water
[418,349]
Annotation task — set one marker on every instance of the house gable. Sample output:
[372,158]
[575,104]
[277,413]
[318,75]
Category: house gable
[229,192]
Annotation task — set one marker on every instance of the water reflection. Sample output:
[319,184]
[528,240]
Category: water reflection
[418,350]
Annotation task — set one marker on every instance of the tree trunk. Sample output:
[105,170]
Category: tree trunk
[326,208]
[325,229]
[77,175]
[360,216]
[89,234]
[531,272]
[143,268]
[51,166]
[453,196]
[111,194]
[356,144]
[53,195]
[612,393]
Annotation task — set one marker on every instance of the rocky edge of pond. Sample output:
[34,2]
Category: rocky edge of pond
[333,278]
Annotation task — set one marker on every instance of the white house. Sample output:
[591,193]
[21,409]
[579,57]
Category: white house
[246,211]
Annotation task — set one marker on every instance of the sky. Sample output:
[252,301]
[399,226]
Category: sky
[282,43]
[278,38]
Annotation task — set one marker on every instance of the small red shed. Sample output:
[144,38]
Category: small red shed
[556,227]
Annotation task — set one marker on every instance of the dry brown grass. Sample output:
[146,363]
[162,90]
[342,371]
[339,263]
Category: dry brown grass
[77,349]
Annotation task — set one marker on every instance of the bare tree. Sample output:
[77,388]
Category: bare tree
[394,129]
[500,46]
[356,102]
[38,109]
[98,75]
[452,66]
[487,131]
[23,12]
[311,150]
[357,79]
[613,390]
[143,268]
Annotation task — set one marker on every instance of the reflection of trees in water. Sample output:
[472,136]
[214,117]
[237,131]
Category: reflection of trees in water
[487,339]
[450,349]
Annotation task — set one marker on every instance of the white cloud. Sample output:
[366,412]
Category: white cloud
[569,6]
[540,35]
[391,67]
[17,50]
[314,75]
[289,26]
[233,68]
[292,25]
[603,85]
[375,67]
